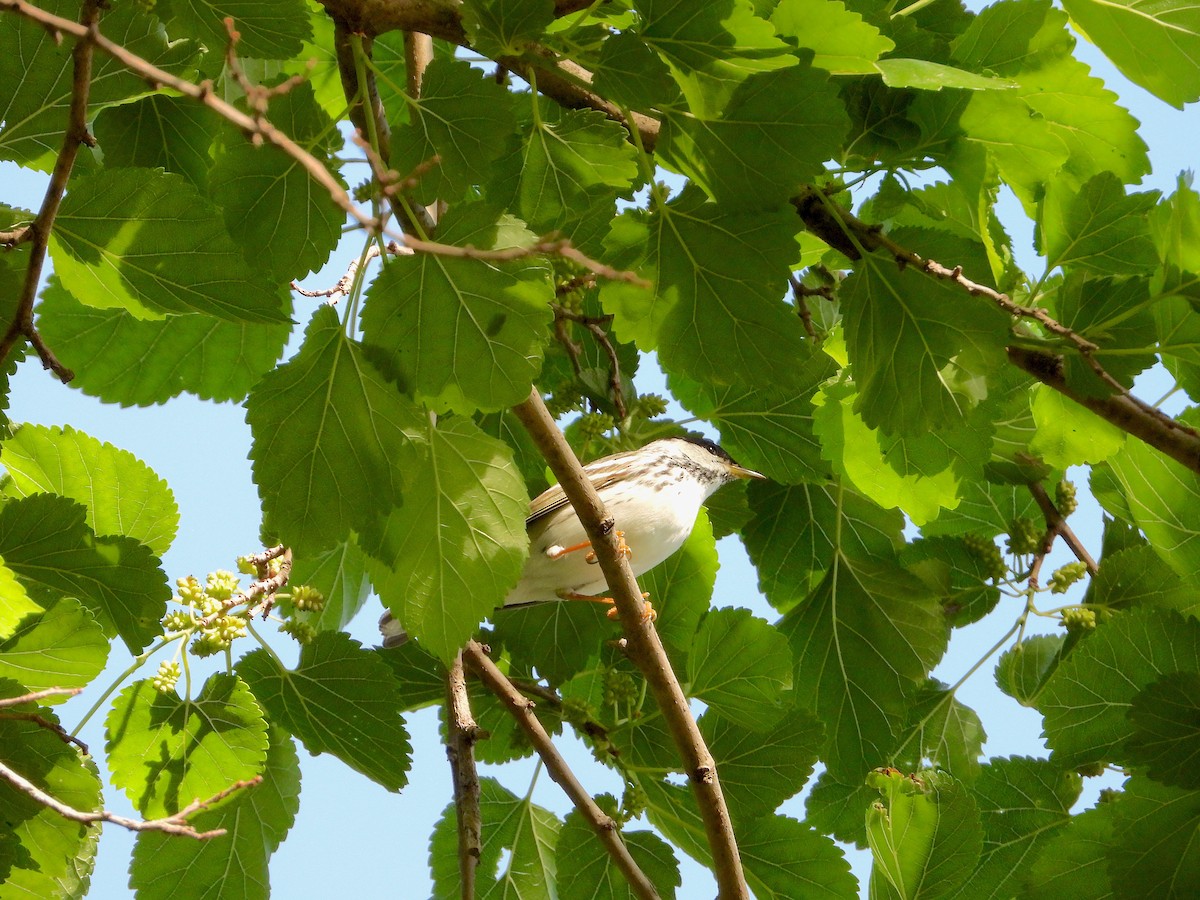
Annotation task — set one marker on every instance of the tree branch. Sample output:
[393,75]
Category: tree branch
[644,646]
[38,233]
[461,734]
[603,825]
[203,92]
[1176,441]
[175,824]
[1057,525]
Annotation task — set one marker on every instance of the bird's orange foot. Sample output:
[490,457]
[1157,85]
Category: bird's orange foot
[622,549]
[649,613]
[560,552]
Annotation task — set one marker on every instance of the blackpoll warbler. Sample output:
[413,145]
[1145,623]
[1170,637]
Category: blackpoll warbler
[653,495]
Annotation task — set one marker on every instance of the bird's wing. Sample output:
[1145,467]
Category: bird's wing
[553,499]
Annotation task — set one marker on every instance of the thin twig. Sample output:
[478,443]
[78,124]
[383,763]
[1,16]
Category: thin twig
[174,824]
[35,696]
[1057,525]
[644,646]
[521,709]
[39,720]
[260,595]
[38,233]
[462,732]
[10,239]
[346,282]
[203,92]
[547,245]
[801,292]
[595,326]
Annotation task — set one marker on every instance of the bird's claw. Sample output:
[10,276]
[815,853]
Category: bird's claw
[649,613]
[623,549]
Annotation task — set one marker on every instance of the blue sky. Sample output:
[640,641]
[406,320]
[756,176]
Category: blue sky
[352,837]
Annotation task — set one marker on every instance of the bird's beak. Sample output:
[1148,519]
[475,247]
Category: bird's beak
[742,472]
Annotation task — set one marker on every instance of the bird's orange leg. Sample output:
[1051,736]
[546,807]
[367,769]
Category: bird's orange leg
[622,548]
[649,613]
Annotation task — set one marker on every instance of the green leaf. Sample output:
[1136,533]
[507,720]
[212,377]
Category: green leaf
[919,473]
[121,493]
[1022,804]
[558,640]
[1023,669]
[267,29]
[171,133]
[774,135]
[944,732]
[329,432]
[985,508]
[165,751]
[500,27]
[420,677]
[897,314]
[760,769]
[592,875]
[727,270]
[1155,853]
[1104,230]
[17,604]
[1069,119]
[461,118]
[712,48]
[930,76]
[1074,862]
[510,823]
[1100,135]
[843,43]
[1114,313]
[1166,730]
[286,221]
[1024,147]
[339,699]
[63,646]
[157,360]
[45,541]
[926,835]
[782,858]
[1107,670]
[959,576]
[630,72]
[866,636]
[770,431]
[340,574]
[256,818]
[41,851]
[740,666]
[796,532]
[146,241]
[1156,45]
[1138,576]
[448,556]
[568,159]
[462,333]
[785,859]
[1164,501]
[35,76]
[1069,434]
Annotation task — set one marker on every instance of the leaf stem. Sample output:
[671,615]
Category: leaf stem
[138,662]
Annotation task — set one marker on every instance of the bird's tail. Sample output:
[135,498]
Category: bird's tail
[393,632]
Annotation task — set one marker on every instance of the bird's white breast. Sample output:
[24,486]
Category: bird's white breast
[655,525]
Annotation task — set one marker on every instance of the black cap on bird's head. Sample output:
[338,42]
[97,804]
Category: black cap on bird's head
[735,469]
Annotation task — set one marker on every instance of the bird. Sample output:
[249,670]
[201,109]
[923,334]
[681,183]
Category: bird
[653,494]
